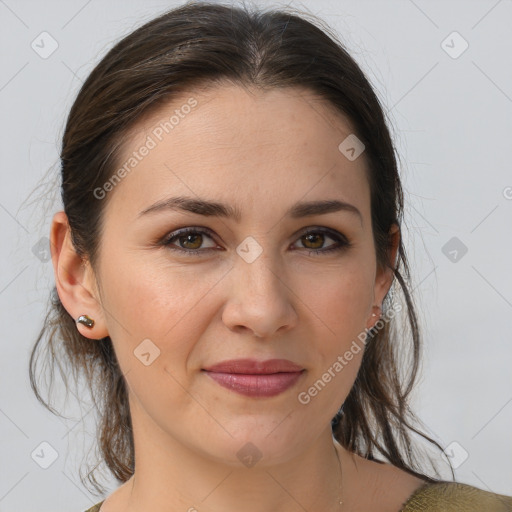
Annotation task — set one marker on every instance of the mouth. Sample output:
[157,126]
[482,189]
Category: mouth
[256,384]
[253,366]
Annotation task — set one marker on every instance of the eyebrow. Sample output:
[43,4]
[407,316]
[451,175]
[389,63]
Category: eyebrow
[216,209]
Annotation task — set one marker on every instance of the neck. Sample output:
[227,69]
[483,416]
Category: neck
[170,475]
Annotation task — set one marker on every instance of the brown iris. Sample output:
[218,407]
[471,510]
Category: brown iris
[190,238]
[311,237]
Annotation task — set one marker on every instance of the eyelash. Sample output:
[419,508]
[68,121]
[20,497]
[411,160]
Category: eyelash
[342,241]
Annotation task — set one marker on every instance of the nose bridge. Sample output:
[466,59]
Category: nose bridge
[259,298]
[258,269]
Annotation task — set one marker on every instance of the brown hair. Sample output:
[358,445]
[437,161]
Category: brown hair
[201,44]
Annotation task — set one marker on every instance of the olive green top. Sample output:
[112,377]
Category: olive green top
[443,497]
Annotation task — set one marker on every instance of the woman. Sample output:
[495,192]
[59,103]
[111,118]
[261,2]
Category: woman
[226,266]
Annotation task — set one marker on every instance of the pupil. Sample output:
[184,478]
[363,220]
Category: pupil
[189,237]
[313,236]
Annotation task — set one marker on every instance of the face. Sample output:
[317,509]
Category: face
[274,282]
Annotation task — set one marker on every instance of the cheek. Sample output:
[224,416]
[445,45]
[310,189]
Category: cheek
[157,301]
[340,297]
[341,305]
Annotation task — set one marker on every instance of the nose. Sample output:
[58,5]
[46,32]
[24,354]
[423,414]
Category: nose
[260,301]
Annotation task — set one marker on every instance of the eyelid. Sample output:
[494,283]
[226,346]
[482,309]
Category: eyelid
[340,239]
[184,230]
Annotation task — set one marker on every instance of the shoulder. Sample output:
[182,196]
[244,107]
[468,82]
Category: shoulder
[388,488]
[455,497]
[377,485]
[95,508]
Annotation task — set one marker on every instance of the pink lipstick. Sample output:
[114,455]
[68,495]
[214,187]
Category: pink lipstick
[254,378]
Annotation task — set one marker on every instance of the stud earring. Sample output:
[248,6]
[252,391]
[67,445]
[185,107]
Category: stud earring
[86,320]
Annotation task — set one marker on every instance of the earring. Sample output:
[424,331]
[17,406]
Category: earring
[86,320]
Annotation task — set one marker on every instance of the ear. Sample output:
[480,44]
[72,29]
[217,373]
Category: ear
[75,280]
[384,277]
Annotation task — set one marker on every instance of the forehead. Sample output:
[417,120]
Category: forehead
[243,146]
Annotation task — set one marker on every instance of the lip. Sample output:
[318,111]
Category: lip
[254,378]
[256,385]
[253,366]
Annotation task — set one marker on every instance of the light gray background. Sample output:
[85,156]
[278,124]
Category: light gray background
[452,122]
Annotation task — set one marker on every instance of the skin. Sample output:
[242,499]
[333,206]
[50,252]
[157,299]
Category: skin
[260,151]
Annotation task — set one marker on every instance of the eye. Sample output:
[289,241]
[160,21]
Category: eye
[189,240]
[317,237]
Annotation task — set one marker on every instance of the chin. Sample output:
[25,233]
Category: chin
[263,445]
